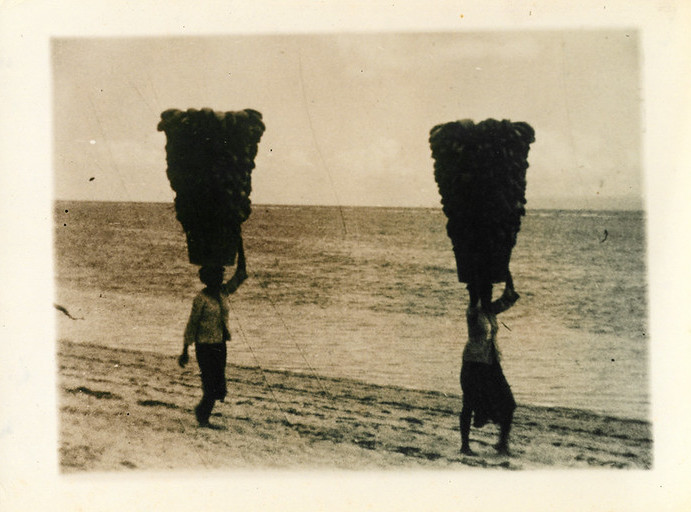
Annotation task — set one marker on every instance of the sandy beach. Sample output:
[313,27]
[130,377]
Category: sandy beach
[345,352]
[123,410]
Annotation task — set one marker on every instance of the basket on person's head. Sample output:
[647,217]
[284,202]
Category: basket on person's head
[480,170]
[210,157]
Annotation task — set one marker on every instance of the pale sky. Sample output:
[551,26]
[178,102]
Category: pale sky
[348,115]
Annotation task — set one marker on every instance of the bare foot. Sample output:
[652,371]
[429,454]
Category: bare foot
[467,451]
[502,449]
[211,426]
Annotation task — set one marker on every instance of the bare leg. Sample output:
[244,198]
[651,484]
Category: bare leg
[465,417]
[505,428]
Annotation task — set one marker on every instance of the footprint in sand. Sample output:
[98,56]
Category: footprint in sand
[157,403]
[367,444]
[97,394]
[413,451]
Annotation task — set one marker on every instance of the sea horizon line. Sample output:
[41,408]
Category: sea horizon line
[544,207]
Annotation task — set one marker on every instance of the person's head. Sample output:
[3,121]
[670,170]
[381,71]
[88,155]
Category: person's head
[212,277]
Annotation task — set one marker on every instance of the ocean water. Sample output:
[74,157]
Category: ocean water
[372,294]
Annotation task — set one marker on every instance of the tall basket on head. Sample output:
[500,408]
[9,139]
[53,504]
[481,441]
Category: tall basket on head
[210,157]
[480,170]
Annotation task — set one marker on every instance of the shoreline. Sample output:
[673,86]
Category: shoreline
[57,203]
[101,313]
[123,410]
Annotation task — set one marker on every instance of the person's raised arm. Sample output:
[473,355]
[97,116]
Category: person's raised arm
[240,273]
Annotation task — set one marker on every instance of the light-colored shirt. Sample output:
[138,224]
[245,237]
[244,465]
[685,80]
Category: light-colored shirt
[207,320]
[482,337]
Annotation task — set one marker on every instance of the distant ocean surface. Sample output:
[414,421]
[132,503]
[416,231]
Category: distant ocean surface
[372,294]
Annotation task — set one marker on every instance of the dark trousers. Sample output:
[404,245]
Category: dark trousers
[212,365]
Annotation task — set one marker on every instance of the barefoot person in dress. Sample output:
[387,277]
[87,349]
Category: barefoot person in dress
[207,328]
[486,393]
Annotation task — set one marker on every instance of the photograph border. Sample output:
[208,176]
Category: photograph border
[29,475]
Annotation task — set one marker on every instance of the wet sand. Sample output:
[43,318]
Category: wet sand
[124,410]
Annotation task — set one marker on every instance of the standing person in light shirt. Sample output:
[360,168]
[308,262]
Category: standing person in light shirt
[207,328]
[486,392]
